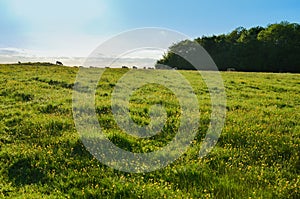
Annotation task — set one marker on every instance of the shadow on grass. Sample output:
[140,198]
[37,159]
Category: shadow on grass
[23,172]
[36,169]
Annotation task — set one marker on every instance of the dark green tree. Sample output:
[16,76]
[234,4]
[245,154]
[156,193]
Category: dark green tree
[275,48]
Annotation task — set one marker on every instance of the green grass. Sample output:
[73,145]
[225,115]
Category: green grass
[257,154]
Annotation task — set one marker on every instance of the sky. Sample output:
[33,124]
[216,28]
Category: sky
[35,29]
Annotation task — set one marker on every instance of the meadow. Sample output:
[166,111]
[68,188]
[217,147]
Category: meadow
[257,154]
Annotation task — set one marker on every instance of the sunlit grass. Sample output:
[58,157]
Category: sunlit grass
[257,154]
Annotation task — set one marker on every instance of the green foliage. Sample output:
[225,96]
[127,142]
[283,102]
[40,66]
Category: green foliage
[275,48]
[41,154]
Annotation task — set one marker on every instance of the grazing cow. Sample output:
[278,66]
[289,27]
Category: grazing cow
[124,67]
[134,67]
[59,63]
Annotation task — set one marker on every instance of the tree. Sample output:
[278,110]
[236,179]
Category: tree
[275,48]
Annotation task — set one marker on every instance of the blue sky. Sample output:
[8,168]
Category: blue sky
[75,28]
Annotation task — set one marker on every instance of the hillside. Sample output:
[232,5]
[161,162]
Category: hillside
[41,154]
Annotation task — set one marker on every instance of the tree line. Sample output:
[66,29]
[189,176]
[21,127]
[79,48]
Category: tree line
[275,48]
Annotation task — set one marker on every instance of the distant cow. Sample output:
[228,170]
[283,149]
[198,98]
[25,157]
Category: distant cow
[19,62]
[134,67]
[230,69]
[124,67]
[59,63]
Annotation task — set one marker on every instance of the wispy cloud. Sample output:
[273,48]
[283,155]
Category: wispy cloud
[14,55]
[15,52]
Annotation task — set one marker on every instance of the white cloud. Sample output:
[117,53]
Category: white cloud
[13,55]
[144,54]
[16,52]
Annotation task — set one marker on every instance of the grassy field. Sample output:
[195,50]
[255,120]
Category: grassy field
[257,154]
